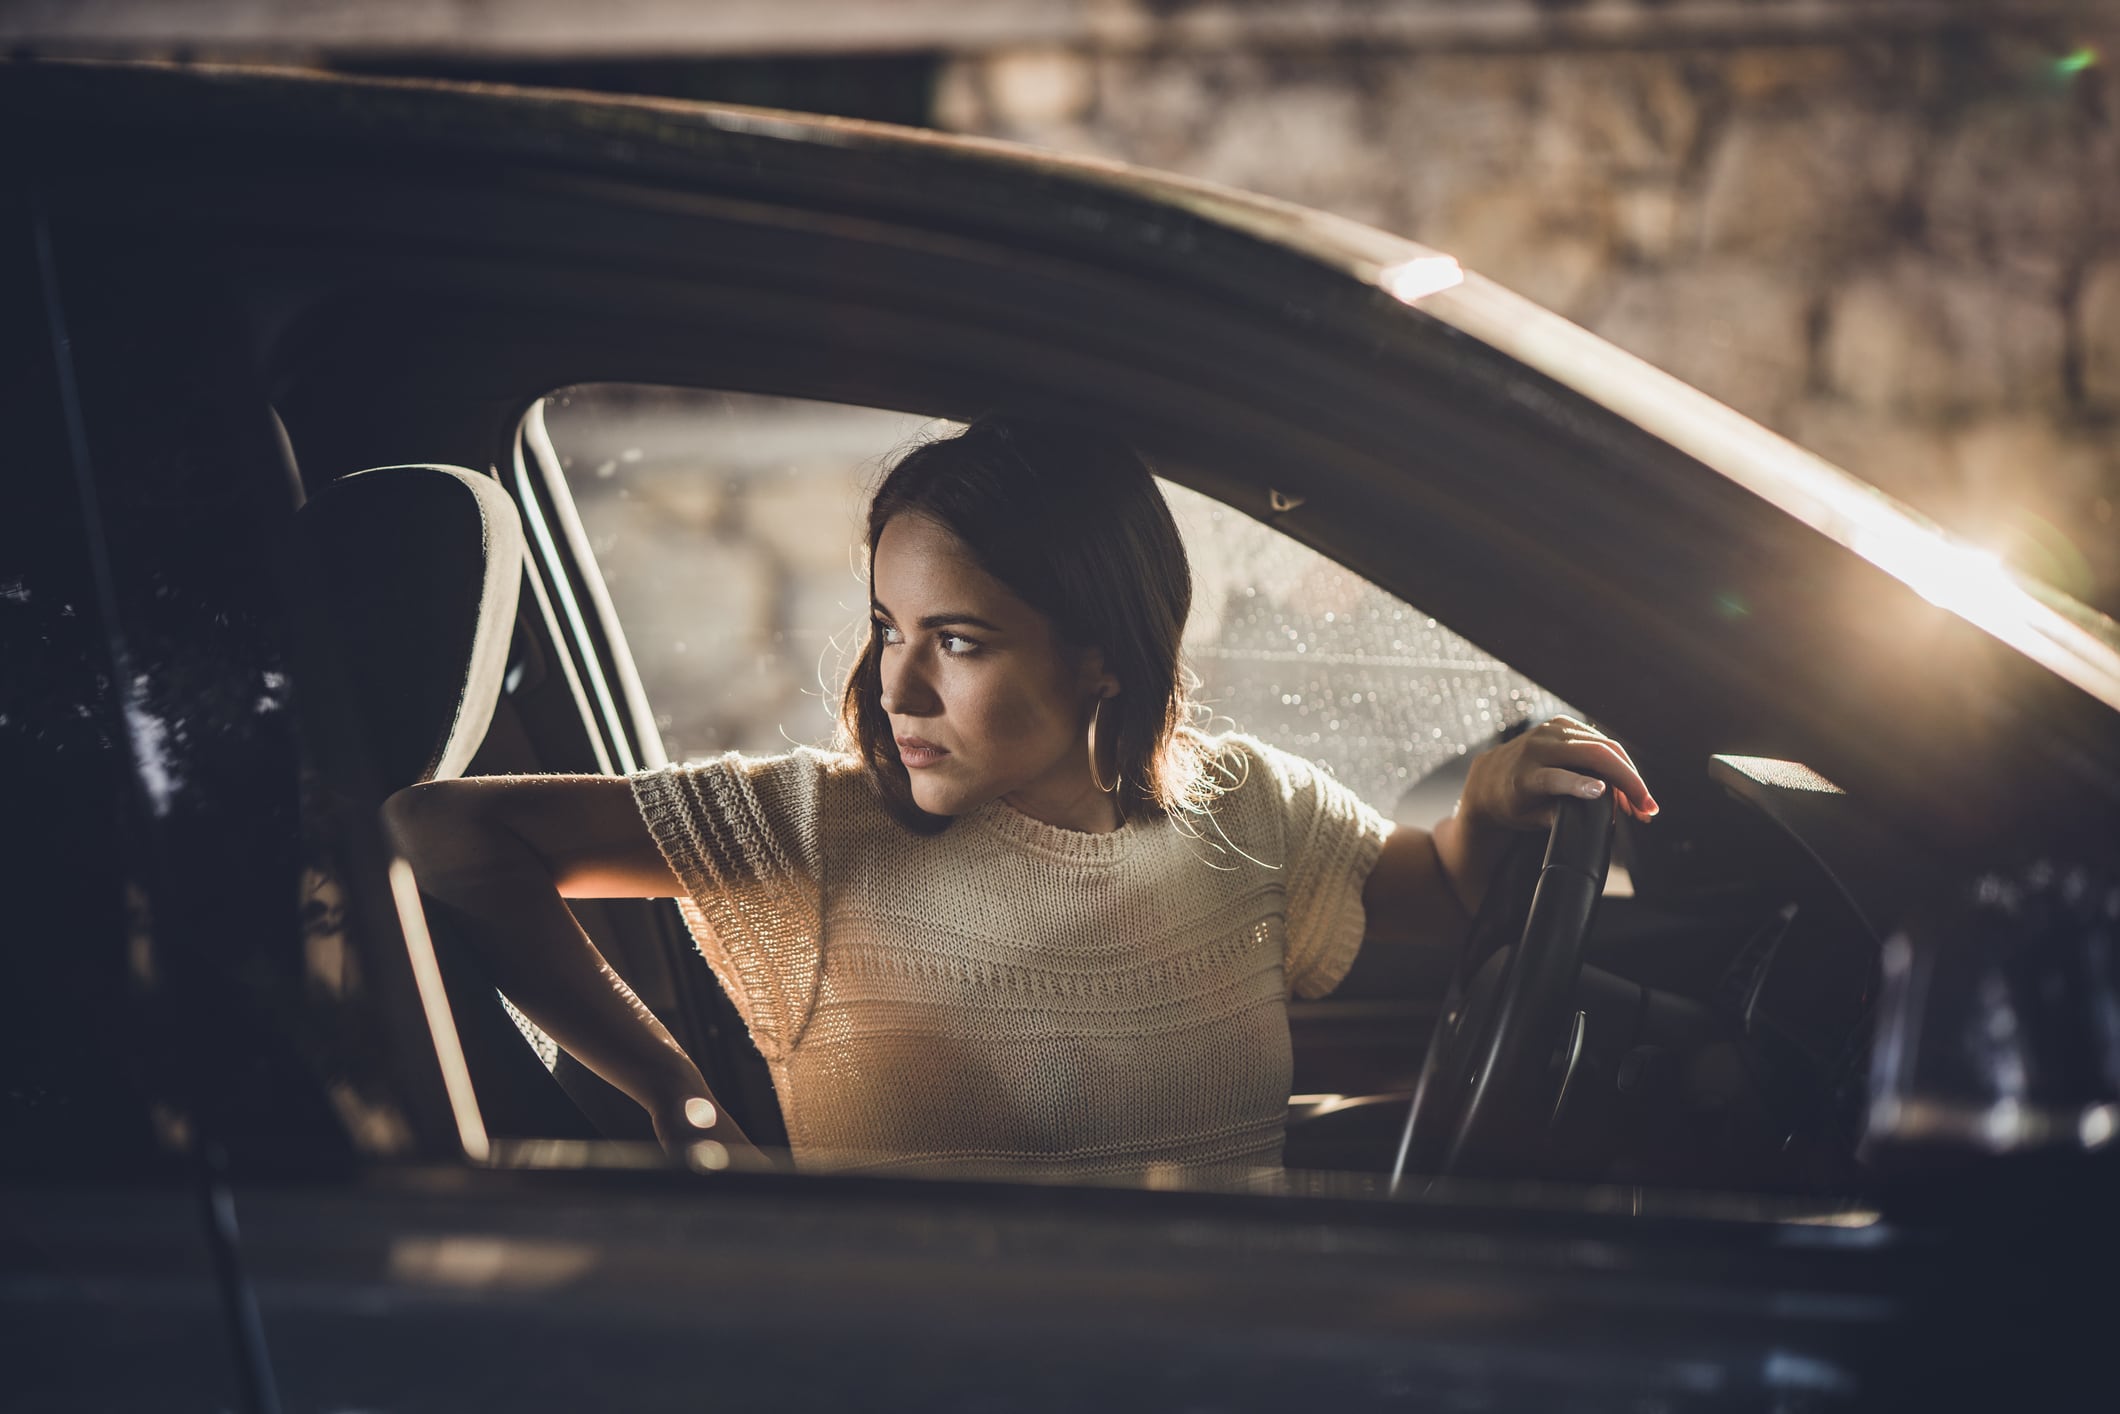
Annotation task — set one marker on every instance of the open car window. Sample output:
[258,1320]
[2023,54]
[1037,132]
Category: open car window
[728,527]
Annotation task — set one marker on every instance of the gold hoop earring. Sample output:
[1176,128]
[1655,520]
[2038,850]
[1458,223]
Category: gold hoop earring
[1096,714]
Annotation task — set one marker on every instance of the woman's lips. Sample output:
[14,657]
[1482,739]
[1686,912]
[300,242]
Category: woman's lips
[917,754]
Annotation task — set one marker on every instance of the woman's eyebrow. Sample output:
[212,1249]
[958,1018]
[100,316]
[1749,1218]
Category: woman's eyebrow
[935,621]
[963,619]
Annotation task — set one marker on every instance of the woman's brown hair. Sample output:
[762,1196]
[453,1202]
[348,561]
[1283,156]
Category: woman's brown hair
[1069,518]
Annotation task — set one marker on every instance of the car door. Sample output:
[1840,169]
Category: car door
[151,858]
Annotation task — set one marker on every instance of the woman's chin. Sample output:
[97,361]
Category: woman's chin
[941,798]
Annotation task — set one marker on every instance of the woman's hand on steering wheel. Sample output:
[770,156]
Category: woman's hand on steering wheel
[1512,787]
[1485,1081]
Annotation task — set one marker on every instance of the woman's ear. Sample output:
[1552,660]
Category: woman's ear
[1095,678]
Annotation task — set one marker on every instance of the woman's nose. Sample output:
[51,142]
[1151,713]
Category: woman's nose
[906,691]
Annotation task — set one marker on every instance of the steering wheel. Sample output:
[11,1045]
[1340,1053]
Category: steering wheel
[1483,1085]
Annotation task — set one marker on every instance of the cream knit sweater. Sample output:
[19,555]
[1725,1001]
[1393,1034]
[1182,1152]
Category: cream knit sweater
[1009,997]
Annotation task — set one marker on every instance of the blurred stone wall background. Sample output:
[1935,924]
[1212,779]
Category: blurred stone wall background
[1902,252]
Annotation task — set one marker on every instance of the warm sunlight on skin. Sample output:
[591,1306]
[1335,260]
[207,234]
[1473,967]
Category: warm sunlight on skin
[984,702]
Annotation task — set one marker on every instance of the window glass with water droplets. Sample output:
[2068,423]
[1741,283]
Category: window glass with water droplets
[1304,653]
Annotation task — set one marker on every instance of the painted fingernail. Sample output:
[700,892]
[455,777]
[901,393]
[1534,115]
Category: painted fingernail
[1590,789]
[699,1113]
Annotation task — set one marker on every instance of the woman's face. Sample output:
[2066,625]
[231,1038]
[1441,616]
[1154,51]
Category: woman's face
[983,700]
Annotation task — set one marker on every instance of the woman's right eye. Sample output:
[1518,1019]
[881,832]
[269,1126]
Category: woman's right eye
[885,633]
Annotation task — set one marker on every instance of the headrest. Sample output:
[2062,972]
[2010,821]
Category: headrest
[411,575]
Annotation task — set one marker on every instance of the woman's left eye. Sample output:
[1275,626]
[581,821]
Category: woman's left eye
[956,645]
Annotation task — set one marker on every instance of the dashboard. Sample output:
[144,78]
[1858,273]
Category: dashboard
[1765,918]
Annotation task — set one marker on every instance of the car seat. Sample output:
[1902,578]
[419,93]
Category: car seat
[407,584]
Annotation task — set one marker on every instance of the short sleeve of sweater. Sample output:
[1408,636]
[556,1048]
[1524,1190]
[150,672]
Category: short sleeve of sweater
[1331,839]
[742,834]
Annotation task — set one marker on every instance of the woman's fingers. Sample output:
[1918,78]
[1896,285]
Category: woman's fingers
[1592,734]
[1514,785]
[1605,759]
[1580,752]
[1550,781]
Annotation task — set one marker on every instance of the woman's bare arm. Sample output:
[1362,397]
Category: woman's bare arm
[1408,897]
[504,852]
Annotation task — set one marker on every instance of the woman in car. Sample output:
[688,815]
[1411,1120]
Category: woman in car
[1030,918]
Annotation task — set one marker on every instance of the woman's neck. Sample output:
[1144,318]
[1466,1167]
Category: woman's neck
[1081,807]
